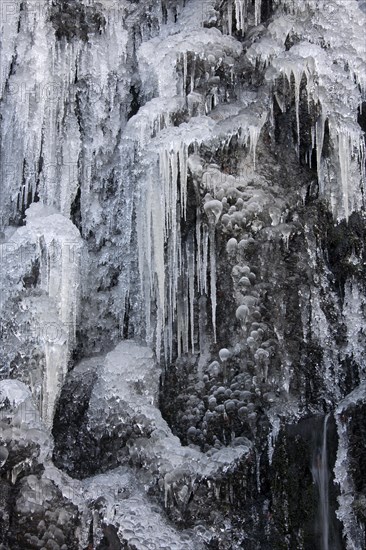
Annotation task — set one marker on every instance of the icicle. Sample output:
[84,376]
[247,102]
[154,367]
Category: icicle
[257,12]
[173,208]
[312,145]
[199,255]
[191,266]
[151,238]
[362,159]
[185,71]
[254,136]
[158,246]
[272,437]
[280,102]
[240,12]
[168,341]
[286,234]
[185,320]
[297,76]
[297,70]
[271,113]
[183,155]
[205,238]
[147,281]
[230,17]
[344,153]
[213,280]
[319,132]
[202,319]
[179,330]
[258,475]
[193,70]
[166,492]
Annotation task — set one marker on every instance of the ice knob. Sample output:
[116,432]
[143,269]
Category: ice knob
[224,354]
[232,245]
[213,209]
[242,314]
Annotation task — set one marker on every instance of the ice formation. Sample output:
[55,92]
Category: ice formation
[318,67]
[51,163]
[21,420]
[140,525]
[50,239]
[128,380]
[135,164]
[43,172]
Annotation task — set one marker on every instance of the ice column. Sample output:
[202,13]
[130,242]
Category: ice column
[59,251]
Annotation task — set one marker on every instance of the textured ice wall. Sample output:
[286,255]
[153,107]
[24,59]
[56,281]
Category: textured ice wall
[66,102]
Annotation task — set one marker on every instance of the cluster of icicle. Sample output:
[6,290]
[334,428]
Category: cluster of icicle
[41,141]
[167,271]
[238,10]
[335,84]
[174,272]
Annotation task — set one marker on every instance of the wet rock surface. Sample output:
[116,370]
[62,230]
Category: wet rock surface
[76,20]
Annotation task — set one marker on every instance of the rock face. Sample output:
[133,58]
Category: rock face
[182,281]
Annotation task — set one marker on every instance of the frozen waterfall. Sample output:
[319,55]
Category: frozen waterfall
[320,473]
[182,281]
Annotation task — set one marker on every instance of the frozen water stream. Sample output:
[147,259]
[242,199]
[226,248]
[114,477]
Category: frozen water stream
[320,473]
